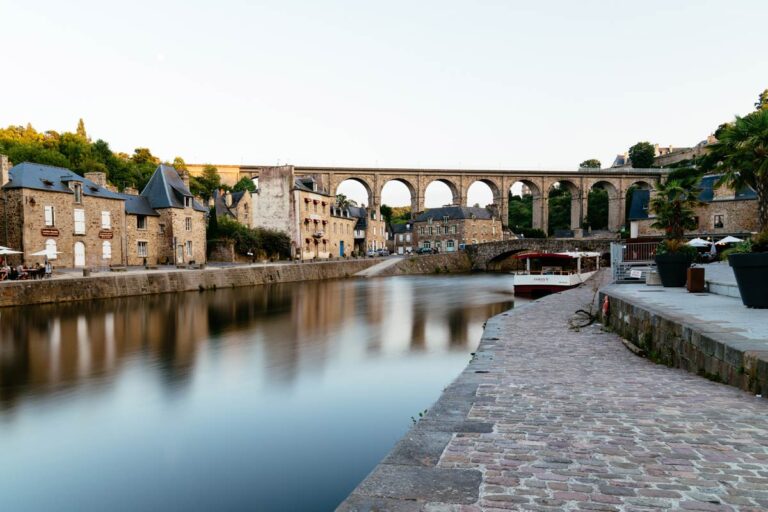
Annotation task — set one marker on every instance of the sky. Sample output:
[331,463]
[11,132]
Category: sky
[453,84]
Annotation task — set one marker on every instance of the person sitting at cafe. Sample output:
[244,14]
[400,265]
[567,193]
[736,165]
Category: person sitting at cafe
[22,273]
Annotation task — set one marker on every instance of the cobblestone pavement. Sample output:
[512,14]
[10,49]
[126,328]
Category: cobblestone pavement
[559,419]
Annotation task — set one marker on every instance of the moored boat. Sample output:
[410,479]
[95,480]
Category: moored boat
[552,272]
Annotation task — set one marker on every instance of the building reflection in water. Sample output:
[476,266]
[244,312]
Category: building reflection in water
[295,328]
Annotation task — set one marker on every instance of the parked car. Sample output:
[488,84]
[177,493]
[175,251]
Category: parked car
[383,252]
[372,253]
[424,250]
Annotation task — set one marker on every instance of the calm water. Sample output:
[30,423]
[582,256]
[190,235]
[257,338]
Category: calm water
[266,398]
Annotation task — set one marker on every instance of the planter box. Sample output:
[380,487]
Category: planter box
[672,269]
[751,271]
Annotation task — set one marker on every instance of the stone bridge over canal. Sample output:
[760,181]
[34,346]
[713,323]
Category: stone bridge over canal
[484,256]
[616,182]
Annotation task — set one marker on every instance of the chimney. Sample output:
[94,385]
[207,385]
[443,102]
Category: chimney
[98,178]
[184,175]
[5,167]
[228,199]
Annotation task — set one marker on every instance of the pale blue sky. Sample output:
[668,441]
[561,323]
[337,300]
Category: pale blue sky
[483,84]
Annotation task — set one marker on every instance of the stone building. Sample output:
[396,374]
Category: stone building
[341,232]
[448,228]
[234,205]
[182,220]
[77,221]
[723,212]
[370,229]
[84,222]
[400,239]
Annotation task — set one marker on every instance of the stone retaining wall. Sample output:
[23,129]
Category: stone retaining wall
[446,263]
[20,293]
[720,357]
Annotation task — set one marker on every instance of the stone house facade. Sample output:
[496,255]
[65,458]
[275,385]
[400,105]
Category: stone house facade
[370,229]
[341,232]
[723,212]
[235,205]
[400,240]
[84,222]
[448,228]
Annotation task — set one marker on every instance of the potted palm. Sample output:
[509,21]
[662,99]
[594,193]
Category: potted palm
[673,206]
[741,154]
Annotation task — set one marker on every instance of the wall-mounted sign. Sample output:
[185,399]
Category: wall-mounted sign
[49,232]
[105,234]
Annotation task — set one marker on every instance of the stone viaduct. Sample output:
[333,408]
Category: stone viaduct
[539,183]
[483,256]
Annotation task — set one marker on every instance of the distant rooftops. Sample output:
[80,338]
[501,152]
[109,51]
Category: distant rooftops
[455,213]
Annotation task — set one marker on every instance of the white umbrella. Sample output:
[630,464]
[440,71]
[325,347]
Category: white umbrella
[729,240]
[699,242]
[45,252]
[6,250]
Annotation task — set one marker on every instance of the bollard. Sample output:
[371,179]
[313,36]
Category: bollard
[695,282]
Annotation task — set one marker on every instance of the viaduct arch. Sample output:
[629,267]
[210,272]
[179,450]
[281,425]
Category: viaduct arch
[540,183]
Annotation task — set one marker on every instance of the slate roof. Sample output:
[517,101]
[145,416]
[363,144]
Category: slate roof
[454,213]
[306,183]
[362,217]
[53,179]
[401,228]
[167,190]
[221,205]
[138,205]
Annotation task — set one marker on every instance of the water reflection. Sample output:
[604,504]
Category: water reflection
[234,351]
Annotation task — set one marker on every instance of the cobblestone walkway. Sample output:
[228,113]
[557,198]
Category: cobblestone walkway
[577,422]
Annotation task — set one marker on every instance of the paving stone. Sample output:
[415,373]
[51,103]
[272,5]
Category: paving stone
[420,483]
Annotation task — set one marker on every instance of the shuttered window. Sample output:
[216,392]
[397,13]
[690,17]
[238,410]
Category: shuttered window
[50,217]
[106,220]
[79,222]
[106,250]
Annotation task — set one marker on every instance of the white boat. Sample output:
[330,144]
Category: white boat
[552,272]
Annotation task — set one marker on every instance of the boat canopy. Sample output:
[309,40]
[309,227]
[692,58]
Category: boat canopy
[568,255]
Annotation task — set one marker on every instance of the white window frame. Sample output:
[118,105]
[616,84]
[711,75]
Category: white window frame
[79,222]
[188,223]
[51,248]
[50,215]
[142,248]
[106,250]
[106,220]
[188,246]
[142,226]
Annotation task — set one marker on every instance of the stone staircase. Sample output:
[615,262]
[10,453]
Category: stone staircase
[720,280]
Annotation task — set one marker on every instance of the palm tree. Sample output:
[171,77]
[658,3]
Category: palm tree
[741,154]
[673,205]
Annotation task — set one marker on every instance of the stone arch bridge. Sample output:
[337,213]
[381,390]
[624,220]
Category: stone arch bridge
[483,256]
[539,183]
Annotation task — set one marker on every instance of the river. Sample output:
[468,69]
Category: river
[279,397]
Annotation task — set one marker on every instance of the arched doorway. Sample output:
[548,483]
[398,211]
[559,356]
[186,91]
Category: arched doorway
[79,254]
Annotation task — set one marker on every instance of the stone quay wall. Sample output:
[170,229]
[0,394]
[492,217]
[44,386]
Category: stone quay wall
[125,284]
[446,263]
[721,357]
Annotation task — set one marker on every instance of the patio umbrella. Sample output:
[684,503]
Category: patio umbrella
[699,242]
[729,240]
[7,250]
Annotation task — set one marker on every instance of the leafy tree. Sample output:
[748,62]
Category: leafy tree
[257,241]
[205,184]
[762,101]
[597,208]
[401,214]
[741,154]
[144,156]
[673,206]
[386,213]
[81,129]
[559,209]
[642,155]
[344,202]
[245,183]
[592,163]
[179,164]
[520,212]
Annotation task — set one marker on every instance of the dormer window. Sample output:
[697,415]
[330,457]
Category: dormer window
[48,183]
[187,202]
[78,189]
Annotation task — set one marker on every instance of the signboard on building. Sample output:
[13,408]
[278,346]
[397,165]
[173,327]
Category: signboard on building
[49,231]
[105,234]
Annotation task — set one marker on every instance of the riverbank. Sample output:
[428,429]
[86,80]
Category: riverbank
[549,418]
[73,286]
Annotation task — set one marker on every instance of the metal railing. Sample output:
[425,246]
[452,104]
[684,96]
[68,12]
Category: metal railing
[626,257]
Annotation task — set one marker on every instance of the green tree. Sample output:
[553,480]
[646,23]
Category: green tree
[205,184]
[386,213]
[81,129]
[674,205]
[642,155]
[144,156]
[592,163]
[520,212]
[762,101]
[597,208]
[343,201]
[245,183]
[741,154]
[559,209]
[179,164]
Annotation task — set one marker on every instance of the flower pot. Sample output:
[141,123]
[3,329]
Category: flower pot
[751,271]
[672,268]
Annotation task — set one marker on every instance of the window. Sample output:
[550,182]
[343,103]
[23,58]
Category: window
[50,217]
[141,222]
[106,220]
[187,202]
[189,247]
[50,249]
[429,220]
[432,230]
[407,237]
[78,188]
[696,222]
[162,229]
[401,237]
[453,229]
[421,230]
[445,230]
[142,248]
[79,222]
[314,206]
[106,250]
[188,223]
[426,244]
[449,244]
[718,222]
